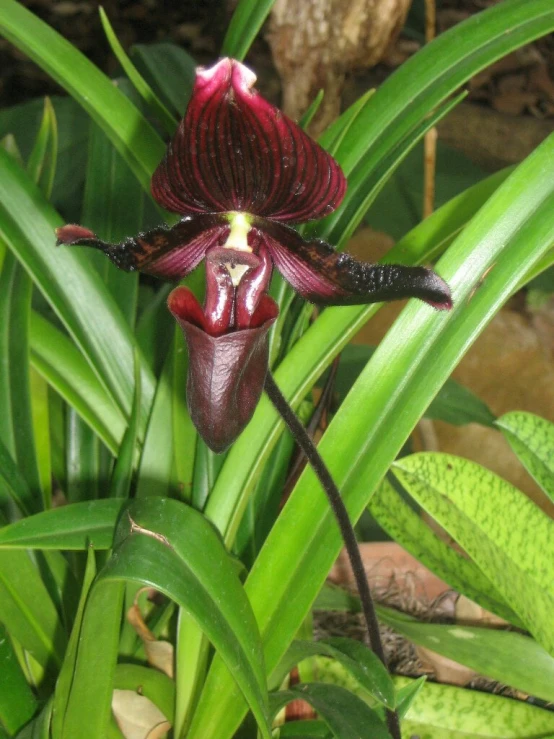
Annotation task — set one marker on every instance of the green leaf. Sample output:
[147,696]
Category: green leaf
[406,695]
[171,72]
[41,430]
[437,231]
[16,422]
[196,572]
[407,527]
[156,462]
[72,124]
[17,702]
[140,84]
[14,483]
[62,365]
[532,439]
[113,207]
[345,714]
[122,476]
[245,24]
[27,610]
[359,661]
[508,537]
[454,403]
[446,712]
[82,453]
[72,526]
[39,728]
[334,134]
[88,703]
[128,130]
[398,207]
[65,678]
[506,656]
[308,116]
[457,405]
[43,158]
[66,280]
[334,598]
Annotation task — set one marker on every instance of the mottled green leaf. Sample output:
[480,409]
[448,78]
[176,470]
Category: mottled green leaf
[446,712]
[406,526]
[508,537]
[532,439]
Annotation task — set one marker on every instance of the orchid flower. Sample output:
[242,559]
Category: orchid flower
[238,172]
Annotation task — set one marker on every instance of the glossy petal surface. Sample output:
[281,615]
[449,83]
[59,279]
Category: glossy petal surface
[226,373]
[234,151]
[168,253]
[323,276]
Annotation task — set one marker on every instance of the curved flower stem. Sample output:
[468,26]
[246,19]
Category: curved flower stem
[347,530]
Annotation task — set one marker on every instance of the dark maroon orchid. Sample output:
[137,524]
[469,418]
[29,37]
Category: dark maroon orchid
[239,171]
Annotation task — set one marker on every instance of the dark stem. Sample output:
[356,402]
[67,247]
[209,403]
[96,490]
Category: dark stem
[346,529]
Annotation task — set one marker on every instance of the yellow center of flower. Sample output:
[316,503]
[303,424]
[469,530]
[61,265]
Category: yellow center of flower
[238,240]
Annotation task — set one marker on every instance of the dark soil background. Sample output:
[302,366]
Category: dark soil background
[198,27]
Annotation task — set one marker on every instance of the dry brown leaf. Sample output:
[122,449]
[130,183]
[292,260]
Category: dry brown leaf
[159,653]
[137,717]
[469,613]
[445,669]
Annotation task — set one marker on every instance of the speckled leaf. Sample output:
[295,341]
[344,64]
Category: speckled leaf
[446,712]
[407,527]
[508,537]
[532,439]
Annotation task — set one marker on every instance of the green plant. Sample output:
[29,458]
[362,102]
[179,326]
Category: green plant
[93,390]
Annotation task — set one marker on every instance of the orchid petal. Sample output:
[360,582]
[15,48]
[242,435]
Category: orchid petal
[168,253]
[234,151]
[324,276]
[226,373]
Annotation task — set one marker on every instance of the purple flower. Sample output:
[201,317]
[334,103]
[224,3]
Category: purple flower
[239,172]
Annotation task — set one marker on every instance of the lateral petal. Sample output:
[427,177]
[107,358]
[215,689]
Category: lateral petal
[166,252]
[234,151]
[324,276]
